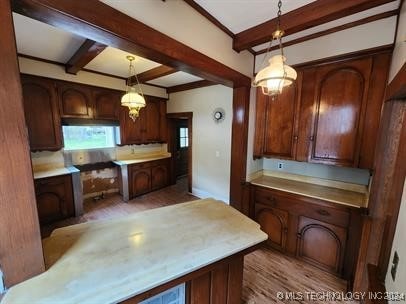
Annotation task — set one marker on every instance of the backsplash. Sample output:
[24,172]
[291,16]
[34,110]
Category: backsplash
[95,182]
[342,174]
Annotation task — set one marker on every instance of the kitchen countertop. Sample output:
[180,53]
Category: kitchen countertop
[141,159]
[55,171]
[313,189]
[112,260]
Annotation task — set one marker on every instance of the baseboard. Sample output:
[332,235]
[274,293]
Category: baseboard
[204,194]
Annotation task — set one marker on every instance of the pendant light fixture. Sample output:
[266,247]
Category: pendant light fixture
[132,99]
[277,74]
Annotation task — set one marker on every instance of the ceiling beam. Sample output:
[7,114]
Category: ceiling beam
[310,15]
[98,21]
[334,29]
[151,74]
[190,86]
[86,53]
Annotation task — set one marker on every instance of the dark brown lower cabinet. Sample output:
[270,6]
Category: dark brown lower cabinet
[321,244]
[274,222]
[54,198]
[321,233]
[147,177]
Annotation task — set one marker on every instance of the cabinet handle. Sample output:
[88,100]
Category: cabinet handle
[295,138]
[311,138]
[323,212]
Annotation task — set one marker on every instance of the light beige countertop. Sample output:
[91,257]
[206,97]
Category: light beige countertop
[133,159]
[112,260]
[336,192]
[52,171]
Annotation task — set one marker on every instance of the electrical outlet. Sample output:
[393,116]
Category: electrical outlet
[395,263]
[280,166]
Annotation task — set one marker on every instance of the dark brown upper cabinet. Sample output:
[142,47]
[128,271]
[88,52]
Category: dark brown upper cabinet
[106,103]
[340,100]
[330,116]
[41,113]
[149,127]
[75,100]
[278,115]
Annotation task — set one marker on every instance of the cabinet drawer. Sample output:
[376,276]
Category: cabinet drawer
[303,206]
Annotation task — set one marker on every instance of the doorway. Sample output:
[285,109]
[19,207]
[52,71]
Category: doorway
[180,146]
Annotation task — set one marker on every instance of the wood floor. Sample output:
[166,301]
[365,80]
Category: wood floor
[266,272]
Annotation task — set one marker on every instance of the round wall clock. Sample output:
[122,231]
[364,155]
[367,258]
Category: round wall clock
[218,115]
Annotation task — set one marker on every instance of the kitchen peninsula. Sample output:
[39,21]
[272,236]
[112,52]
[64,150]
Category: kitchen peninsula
[200,243]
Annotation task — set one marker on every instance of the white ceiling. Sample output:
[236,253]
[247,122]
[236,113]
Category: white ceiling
[44,41]
[175,79]
[239,15]
[114,61]
[41,40]
[367,13]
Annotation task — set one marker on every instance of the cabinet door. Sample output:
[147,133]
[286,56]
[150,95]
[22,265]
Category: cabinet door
[340,101]
[159,176]
[321,244]
[281,122]
[140,181]
[152,122]
[274,222]
[54,198]
[106,104]
[74,100]
[130,131]
[41,113]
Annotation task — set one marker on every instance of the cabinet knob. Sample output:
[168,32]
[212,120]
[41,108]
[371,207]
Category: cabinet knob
[311,138]
[295,138]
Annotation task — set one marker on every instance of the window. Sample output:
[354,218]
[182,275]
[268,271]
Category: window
[183,138]
[88,137]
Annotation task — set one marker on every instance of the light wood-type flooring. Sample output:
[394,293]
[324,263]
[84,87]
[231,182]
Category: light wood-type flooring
[266,272]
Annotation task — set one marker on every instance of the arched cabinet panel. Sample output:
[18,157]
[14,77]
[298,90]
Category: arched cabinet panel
[54,198]
[41,113]
[274,222]
[74,100]
[159,175]
[321,244]
[339,109]
[140,181]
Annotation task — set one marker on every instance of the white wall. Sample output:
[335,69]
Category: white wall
[39,68]
[399,53]
[211,174]
[180,21]
[369,35]
[399,245]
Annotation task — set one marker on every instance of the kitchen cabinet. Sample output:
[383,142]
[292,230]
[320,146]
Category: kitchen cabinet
[321,244]
[274,222]
[54,197]
[278,115]
[75,100]
[330,115]
[106,103]
[41,113]
[340,99]
[310,229]
[159,176]
[149,127]
[147,177]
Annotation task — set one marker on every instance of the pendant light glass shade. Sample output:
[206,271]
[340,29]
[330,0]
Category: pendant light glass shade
[132,99]
[275,76]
